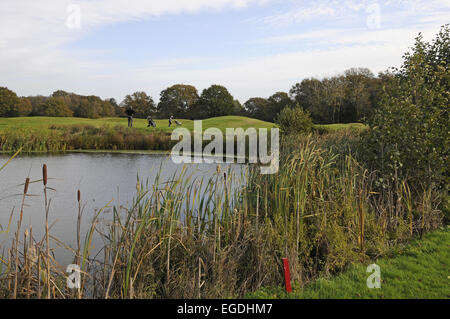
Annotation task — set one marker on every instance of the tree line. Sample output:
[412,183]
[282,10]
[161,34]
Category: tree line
[344,98]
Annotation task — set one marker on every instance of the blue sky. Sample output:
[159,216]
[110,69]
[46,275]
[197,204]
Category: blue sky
[112,48]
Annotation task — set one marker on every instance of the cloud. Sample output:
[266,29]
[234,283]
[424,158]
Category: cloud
[34,58]
[33,34]
[390,10]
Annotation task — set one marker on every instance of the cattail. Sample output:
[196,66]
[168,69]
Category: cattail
[27,183]
[44,174]
[79,196]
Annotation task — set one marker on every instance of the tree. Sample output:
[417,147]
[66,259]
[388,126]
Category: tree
[238,108]
[56,107]
[141,103]
[294,120]
[178,100]
[36,102]
[8,101]
[357,94]
[256,107]
[215,101]
[408,135]
[23,108]
[309,94]
[346,98]
[277,103]
[86,109]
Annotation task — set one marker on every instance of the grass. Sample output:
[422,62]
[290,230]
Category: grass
[140,124]
[417,270]
[339,126]
[221,122]
[55,134]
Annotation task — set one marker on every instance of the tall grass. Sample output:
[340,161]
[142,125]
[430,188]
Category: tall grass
[60,138]
[220,238]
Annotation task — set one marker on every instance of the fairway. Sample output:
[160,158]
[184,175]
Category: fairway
[222,123]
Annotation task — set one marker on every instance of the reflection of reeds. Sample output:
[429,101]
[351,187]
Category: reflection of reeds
[218,237]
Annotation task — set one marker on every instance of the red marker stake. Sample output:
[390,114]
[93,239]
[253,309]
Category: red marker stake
[287,275]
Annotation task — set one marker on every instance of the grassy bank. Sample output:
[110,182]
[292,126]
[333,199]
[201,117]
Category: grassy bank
[53,134]
[417,270]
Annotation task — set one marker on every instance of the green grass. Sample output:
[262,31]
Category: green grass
[340,126]
[54,134]
[222,123]
[418,270]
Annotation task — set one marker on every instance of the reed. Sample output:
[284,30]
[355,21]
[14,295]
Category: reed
[224,236]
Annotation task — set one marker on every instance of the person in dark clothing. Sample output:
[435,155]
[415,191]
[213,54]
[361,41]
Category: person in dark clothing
[170,120]
[150,121]
[130,112]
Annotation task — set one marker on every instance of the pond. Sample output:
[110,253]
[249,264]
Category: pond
[101,178]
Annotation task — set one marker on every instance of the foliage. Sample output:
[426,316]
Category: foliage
[346,98]
[55,107]
[214,101]
[8,100]
[268,109]
[256,107]
[408,135]
[177,100]
[141,103]
[23,108]
[294,120]
[81,106]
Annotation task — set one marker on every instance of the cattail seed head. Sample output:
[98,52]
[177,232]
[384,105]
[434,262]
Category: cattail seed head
[79,196]
[44,174]
[27,183]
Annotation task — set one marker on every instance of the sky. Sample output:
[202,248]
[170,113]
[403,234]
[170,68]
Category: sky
[255,48]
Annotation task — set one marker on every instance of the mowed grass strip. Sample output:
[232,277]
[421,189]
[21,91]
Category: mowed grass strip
[419,270]
[222,123]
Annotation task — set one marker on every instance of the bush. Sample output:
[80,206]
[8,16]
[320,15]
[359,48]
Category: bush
[408,136]
[294,120]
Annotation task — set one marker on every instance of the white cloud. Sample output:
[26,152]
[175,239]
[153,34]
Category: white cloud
[32,58]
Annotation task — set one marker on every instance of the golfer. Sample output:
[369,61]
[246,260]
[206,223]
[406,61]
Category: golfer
[130,112]
[150,121]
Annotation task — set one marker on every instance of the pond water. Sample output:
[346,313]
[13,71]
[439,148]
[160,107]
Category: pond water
[101,178]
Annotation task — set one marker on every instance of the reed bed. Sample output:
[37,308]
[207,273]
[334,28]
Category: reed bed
[223,237]
[61,138]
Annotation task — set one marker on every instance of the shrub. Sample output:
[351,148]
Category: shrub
[294,120]
[408,136]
